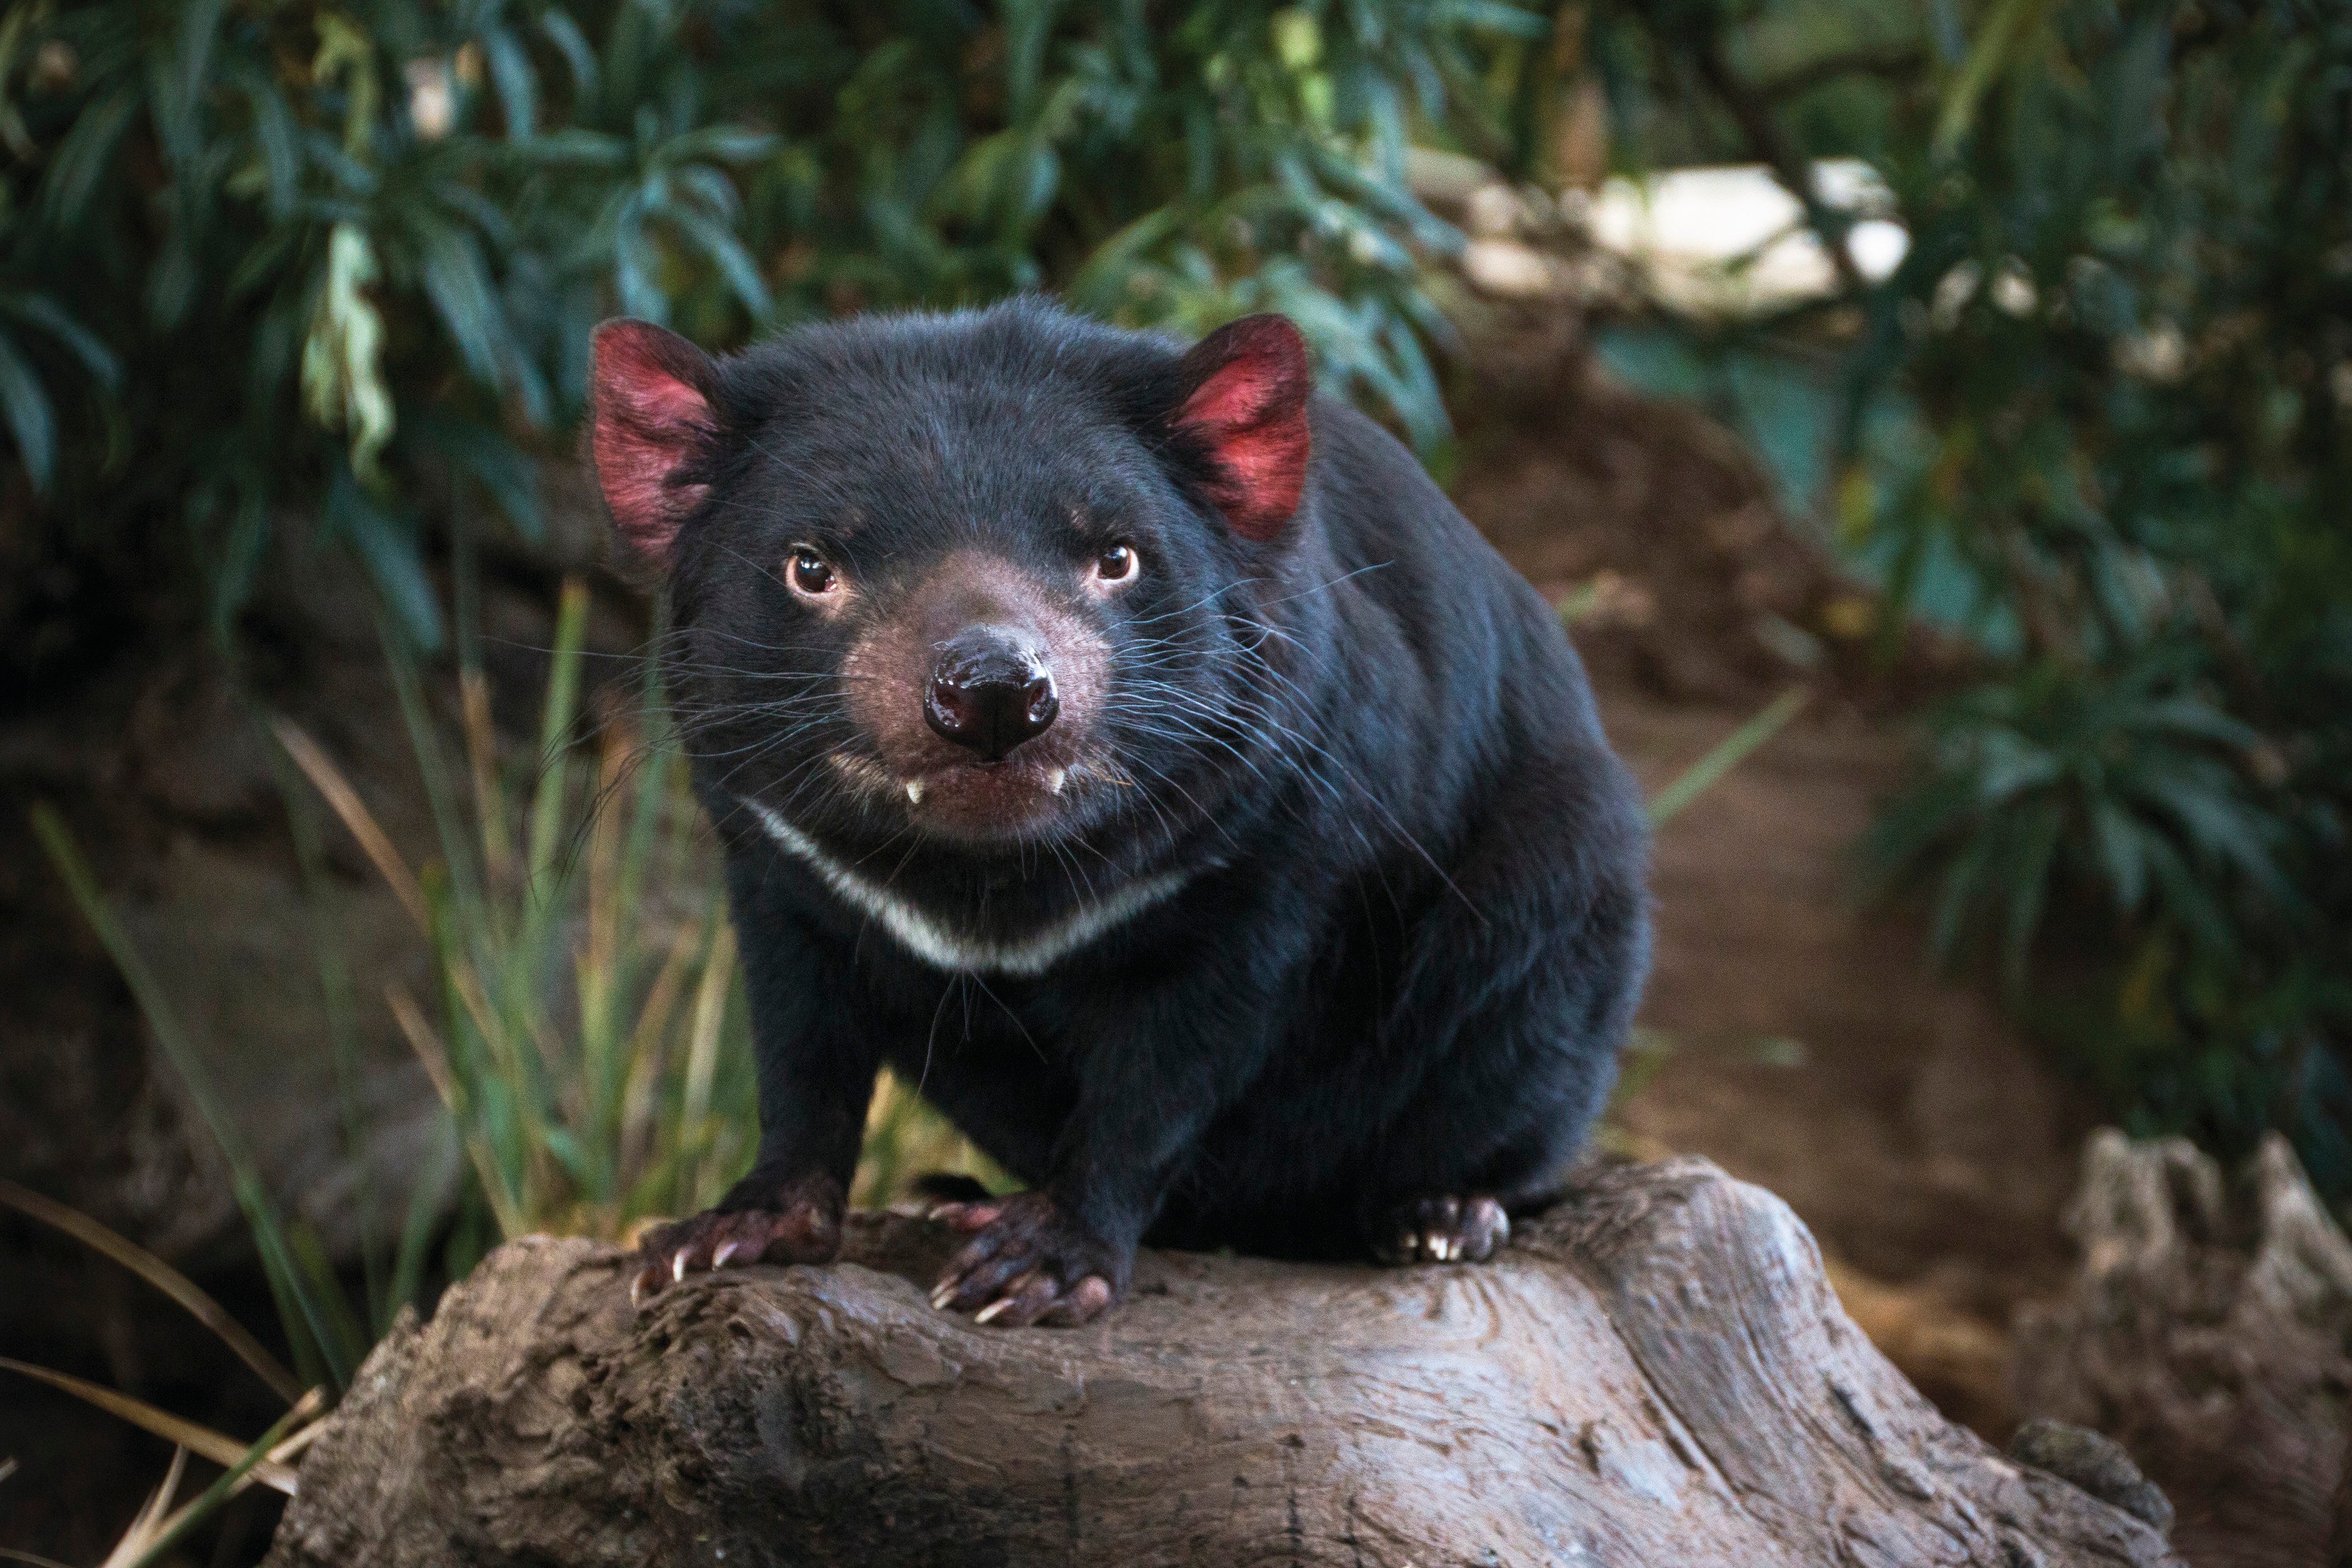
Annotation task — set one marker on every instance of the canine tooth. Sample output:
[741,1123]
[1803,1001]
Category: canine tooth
[1057,779]
[914,791]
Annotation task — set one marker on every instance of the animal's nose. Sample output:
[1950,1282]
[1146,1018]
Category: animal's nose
[989,692]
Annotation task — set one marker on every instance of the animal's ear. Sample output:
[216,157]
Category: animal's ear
[652,416]
[1243,404]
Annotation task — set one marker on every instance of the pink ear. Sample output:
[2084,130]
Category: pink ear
[1246,386]
[651,417]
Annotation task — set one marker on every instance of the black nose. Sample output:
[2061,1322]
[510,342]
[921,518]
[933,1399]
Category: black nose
[989,692]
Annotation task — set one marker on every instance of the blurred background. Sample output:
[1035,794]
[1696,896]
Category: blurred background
[1933,418]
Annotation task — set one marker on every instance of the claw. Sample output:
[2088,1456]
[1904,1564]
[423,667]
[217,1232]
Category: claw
[677,1268]
[638,1290]
[719,1258]
[994,1309]
[914,791]
[943,1294]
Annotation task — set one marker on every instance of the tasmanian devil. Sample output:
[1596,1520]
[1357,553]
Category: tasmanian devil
[1138,753]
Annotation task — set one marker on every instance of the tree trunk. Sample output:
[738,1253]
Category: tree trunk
[1655,1372]
[2208,1329]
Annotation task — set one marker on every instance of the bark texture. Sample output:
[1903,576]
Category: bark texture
[2208,1330]
[1655,1372]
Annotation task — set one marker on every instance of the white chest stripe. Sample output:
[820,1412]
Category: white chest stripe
[939,947]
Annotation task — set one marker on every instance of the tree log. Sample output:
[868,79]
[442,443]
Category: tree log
[1655,1371]
[2211,1329]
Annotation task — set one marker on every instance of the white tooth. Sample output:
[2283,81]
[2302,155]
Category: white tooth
[914,791]
[1057,779]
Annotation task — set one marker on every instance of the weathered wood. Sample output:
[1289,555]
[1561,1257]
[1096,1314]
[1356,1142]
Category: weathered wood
[1655,1372]
[2208,1329]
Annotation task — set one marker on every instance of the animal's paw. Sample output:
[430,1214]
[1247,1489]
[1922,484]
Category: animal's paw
[1026,1263]
[795,1221]
[1441,1230]
[942,1194]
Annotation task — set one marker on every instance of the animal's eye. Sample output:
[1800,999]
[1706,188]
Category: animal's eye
[809,573]
[1116,564]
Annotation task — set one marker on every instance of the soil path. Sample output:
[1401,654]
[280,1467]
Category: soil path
[1799,1038]
[1805,1043]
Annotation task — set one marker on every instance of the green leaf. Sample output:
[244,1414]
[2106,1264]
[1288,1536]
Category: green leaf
[385,544]
[517,86]
[25,406]
[724,249]
[458,284]
[82,159]
[509,476]
[41,311]
[2029,893]
[2121,853]
[570,42]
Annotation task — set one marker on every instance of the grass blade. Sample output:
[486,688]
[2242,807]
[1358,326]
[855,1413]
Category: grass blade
[149,1522]
[1728,754]
[427,1046]
[481,761]
[336,790]
[260,1216]
[268,1453]
[160,1274]
[343,1025]
[202,1441]
[555,725]
[702,1048]
[15,1554]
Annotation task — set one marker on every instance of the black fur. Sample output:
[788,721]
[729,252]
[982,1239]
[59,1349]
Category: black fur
[1413,928]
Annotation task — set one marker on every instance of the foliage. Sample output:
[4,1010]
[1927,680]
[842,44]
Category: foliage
[159,1526]
[306,258]
[585,1028]
[2056,781]
[2099,422]
[586,1031]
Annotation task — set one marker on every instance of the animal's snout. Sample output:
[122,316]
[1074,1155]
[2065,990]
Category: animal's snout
[990,690]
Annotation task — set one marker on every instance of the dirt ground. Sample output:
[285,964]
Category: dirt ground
[1804,1043]
[1794,1034]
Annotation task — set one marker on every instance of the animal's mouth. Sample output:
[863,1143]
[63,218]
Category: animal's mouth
[1010,778]
[1015,797]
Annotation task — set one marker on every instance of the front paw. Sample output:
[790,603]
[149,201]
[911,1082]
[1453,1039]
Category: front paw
[1440,1230]
[1028,1263]
[794,1222]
